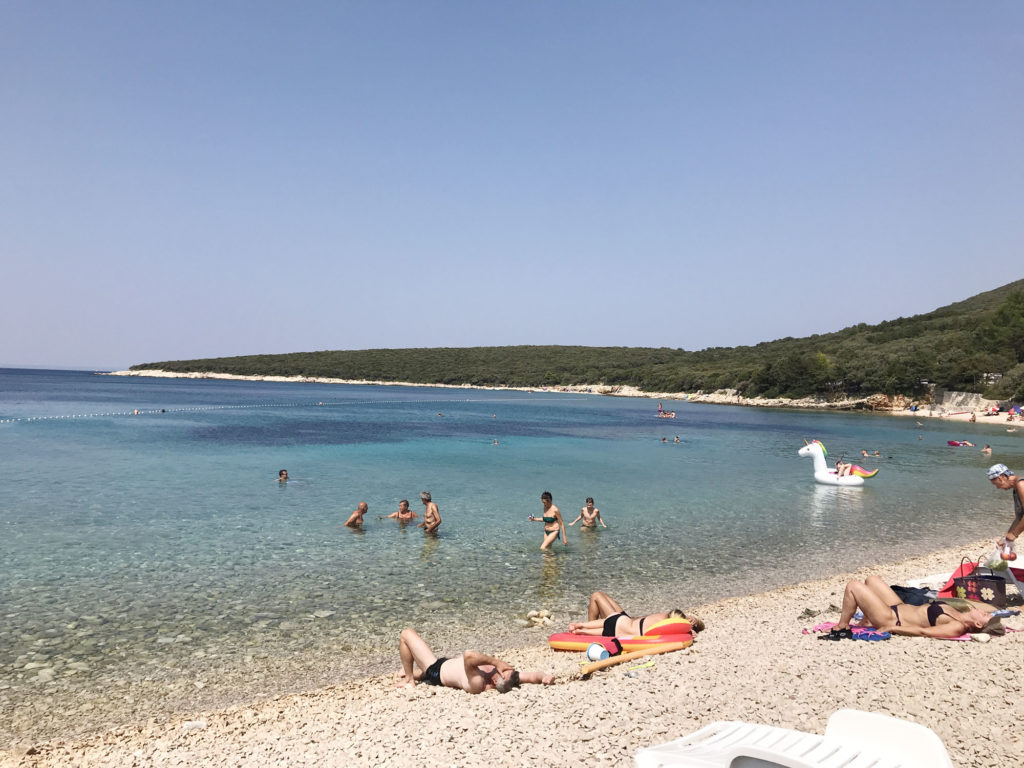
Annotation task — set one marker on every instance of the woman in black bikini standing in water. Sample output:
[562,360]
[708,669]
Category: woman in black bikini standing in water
[552,520]
[607,619]
[885,611]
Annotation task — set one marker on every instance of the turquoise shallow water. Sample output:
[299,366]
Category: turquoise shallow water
[144,553]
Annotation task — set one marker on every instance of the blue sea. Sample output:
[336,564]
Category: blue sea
[151,560]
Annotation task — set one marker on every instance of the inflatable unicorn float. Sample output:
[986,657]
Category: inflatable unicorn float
[822,474]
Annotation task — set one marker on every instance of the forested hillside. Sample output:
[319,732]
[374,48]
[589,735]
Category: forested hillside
[957,347]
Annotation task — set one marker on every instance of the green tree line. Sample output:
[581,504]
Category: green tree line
[959,347]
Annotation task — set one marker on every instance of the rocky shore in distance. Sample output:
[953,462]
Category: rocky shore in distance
[877,403]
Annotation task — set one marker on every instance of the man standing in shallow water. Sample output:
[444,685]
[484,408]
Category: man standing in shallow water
[431,515]
[590,515]
[355,520]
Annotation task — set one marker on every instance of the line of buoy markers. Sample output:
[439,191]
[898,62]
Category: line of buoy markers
[318,404]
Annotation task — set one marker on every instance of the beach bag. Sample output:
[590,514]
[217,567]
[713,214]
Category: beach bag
[979,583]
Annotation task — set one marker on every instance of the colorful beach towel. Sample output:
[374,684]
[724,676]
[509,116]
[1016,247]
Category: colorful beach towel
[859,633]
[870,633]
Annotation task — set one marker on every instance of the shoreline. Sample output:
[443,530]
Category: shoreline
[880,404]
[752,663]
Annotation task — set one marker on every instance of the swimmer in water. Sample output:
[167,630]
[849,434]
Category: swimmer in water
[431,514]
[403,515]
[355,520]
[590,515]
[282,476]
[553,523]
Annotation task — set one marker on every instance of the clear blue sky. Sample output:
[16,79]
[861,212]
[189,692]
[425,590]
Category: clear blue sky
[191,179]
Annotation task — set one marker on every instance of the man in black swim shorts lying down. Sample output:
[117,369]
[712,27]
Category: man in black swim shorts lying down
[473,672]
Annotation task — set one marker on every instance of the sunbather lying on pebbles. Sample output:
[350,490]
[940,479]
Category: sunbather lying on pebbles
[884,611]
[473,672]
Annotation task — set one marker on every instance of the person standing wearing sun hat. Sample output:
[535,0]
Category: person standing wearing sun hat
[1001,477]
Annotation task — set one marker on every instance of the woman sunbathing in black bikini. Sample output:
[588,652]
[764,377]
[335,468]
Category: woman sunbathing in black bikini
[606,618]
[884,611]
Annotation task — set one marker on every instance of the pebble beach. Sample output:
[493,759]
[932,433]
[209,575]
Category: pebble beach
[753,663]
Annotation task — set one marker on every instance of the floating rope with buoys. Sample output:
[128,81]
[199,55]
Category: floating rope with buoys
[317,404]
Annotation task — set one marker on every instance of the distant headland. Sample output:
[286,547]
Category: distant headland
[973,346]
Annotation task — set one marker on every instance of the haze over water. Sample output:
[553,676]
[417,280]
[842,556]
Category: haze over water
[152,562]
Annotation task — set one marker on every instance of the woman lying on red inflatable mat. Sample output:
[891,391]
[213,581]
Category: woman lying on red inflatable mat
[607,618]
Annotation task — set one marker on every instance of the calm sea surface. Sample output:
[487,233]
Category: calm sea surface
[152,561]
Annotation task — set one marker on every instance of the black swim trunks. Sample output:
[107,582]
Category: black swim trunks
[432,676]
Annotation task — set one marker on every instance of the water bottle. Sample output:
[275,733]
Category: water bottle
[1008,553]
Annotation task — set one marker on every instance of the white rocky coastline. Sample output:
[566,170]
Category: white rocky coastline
[878,403]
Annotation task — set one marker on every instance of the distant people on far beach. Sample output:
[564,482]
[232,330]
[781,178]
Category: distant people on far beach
[606,618]
[472,671]
[403,514]
[590,515]
[355,520]
[282,476]
[554,526]
[431,514]
[885,611]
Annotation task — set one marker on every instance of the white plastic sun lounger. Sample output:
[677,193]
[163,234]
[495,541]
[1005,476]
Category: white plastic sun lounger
[853,739]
